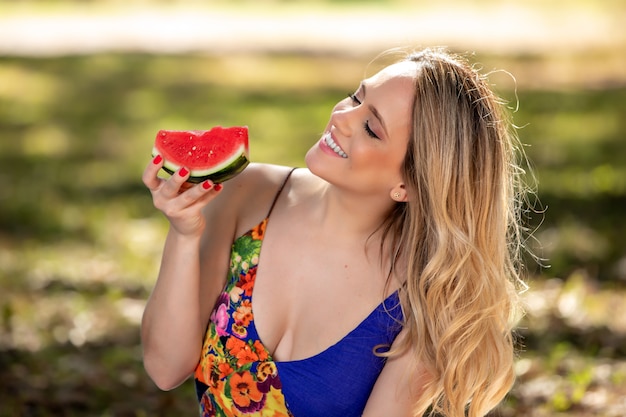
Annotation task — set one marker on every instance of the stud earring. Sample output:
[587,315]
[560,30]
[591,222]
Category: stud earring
[396,195]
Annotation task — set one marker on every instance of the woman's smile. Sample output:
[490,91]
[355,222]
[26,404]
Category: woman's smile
[330,146]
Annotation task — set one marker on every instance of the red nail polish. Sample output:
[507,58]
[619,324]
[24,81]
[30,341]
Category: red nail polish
[183,171]
[207,185]
[157,160]
[217,187]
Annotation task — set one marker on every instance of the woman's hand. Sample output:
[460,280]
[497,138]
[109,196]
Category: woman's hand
[181,202]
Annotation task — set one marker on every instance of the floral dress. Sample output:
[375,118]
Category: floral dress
[236,369]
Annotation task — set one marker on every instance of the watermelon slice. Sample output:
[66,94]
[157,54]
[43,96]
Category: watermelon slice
[217,154]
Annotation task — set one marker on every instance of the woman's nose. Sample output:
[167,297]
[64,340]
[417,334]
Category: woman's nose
[344,120]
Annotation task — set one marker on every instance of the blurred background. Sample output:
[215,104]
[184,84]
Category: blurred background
[85,86]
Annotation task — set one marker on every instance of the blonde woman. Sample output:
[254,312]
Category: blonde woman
[380,280]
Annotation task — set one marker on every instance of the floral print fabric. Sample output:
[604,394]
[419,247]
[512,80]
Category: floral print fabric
[236,375]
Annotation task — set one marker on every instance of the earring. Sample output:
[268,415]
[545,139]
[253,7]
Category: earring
[396,195]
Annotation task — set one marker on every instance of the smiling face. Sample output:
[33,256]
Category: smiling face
[365,141]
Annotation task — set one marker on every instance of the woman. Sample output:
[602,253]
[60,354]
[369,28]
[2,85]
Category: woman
[385,285]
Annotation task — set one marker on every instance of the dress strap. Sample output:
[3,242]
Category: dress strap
[280,190]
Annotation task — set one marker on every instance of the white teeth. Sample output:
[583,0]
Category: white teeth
[332,145]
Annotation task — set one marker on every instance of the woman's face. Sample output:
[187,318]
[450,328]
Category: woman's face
[365,141]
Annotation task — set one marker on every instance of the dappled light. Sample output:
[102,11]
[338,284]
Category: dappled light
[80,241]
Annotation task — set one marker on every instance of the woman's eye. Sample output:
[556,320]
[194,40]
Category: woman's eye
[366,125]
[369,131]
[354,99]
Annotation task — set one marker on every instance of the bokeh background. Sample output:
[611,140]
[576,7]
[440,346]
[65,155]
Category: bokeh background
[85,85]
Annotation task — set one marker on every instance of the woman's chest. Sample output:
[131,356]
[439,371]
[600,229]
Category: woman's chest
[310,293]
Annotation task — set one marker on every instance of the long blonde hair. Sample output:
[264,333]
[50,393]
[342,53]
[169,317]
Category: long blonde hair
[460,238]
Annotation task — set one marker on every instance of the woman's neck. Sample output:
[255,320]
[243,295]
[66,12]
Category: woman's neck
[341,212]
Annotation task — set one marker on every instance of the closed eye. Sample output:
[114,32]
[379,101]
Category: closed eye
[366,125]
[369,131]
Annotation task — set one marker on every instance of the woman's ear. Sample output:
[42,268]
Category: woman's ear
[399,194]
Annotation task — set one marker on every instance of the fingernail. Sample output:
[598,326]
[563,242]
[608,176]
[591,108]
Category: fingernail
[157,160]
[217,187]
[183,172]
[207,185]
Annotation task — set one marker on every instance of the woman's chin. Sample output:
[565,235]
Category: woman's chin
[311,160]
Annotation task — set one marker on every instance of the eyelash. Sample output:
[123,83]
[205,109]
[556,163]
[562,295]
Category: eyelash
[366,125]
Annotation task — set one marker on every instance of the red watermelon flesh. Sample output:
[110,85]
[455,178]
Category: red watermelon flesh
[217,154]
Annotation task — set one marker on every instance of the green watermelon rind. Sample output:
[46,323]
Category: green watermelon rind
[217,174]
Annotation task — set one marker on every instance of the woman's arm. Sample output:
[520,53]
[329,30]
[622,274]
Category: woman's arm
[195,262]
[177,311]
[171,328]
[398,386]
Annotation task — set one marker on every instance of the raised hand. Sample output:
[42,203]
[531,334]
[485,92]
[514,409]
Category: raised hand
[181,202]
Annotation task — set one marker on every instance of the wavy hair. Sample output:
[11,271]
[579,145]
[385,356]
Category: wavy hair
[459,237]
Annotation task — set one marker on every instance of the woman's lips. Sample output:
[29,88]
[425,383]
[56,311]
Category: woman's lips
[327,142]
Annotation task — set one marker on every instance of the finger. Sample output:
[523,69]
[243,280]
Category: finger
[199,196]
[185,186]
[173,185]
[188,204]
[149,176]
[208,184]
[195,193]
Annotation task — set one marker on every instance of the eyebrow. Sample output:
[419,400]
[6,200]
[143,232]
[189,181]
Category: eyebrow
[375,113]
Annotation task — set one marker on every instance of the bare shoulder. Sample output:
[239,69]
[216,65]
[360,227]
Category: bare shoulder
[248,196]
[258,175]
[400,383]
[306,180]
